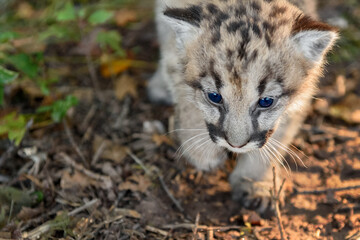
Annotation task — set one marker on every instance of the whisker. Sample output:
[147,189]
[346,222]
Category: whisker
[185,129]
[292,152]
[191,146]
[280,155]
[183,144]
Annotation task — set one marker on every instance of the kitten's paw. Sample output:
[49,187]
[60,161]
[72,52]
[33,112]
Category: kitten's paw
[255,196]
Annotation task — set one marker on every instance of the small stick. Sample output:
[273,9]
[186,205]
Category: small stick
[325,191]
[161,180]
[173,199]
[156,230]
[191,226]
[98,153]
[73,144]
[275,197]
[83,170]
[83,207]
[196,226]
[138,161]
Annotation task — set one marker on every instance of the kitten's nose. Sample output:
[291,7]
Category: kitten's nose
[238,146]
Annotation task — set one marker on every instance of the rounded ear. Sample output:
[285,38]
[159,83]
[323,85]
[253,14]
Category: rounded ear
[312,38]
[185,22]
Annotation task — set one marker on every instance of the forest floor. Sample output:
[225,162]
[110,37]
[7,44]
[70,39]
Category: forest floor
[110,170]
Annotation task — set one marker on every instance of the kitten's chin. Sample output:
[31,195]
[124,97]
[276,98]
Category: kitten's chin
[206,164]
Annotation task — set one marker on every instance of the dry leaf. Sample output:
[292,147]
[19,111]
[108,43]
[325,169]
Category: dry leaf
[29,213]
[25,10]
[112,151]
[125,16]
[162,139]
[136,183]
[124,86]
[127,213]
[75,180]
[115,67]
[348,109]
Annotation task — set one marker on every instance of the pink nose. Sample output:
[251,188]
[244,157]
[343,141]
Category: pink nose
[238,146]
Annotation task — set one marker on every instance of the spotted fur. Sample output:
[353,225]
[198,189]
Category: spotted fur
[244,50]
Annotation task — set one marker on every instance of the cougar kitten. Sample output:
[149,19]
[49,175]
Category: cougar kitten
[241,74]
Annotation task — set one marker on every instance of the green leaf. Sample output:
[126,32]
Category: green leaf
[100,16]
[67,13]
[24,63]
[59,32]
[111,39]
[7,36]
[14,126]
[7,76]
[59,108]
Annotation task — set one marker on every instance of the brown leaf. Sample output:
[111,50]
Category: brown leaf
[124,16]
[29,213]
[162,139]
[115,67]
[136,183]
[124,86]
[112,151]
[348,109]
[127,213]
[25,10]
[75,180]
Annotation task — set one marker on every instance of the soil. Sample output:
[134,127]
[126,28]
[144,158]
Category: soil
[115,155]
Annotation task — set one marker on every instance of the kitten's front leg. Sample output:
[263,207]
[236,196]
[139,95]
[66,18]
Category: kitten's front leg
[251,182]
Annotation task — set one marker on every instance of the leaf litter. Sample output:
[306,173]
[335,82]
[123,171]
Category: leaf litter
[53,193]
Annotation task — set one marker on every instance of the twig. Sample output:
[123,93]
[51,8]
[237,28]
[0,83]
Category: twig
[105,179]
[93,76]
[275,195]
[173,199]
[196,225]
[73,144]
[98,153]
[325,191]
[138,161]
[156,230]
[192,226]
[124,112]
[161,180]
[83,207]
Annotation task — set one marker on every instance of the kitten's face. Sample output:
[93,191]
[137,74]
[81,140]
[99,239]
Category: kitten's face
[247,63]
[242,100]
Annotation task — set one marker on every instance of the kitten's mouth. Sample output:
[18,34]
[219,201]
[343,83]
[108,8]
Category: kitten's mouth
[238,147]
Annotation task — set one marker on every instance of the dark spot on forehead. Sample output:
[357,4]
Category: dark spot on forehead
[234,26]
[216,37]
[269,27]
[215,75]
[240,11]
[256,6]
[262,85]
[277,10]
[256,30]
[268,40]
[229,53]
[212,8]
[195,84]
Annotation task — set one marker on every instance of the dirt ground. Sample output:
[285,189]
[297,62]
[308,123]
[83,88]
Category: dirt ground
[111,169]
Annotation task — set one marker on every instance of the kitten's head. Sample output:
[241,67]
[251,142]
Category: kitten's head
[248,63]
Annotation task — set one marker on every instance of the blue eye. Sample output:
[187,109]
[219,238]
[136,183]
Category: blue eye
[266,102]
[215,97]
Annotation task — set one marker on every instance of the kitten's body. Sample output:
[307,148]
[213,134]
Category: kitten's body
[244,50]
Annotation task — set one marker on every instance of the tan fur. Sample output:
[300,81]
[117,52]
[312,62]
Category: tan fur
[244,50]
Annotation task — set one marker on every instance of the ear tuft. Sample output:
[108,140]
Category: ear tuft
[313,38]
[192,15]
